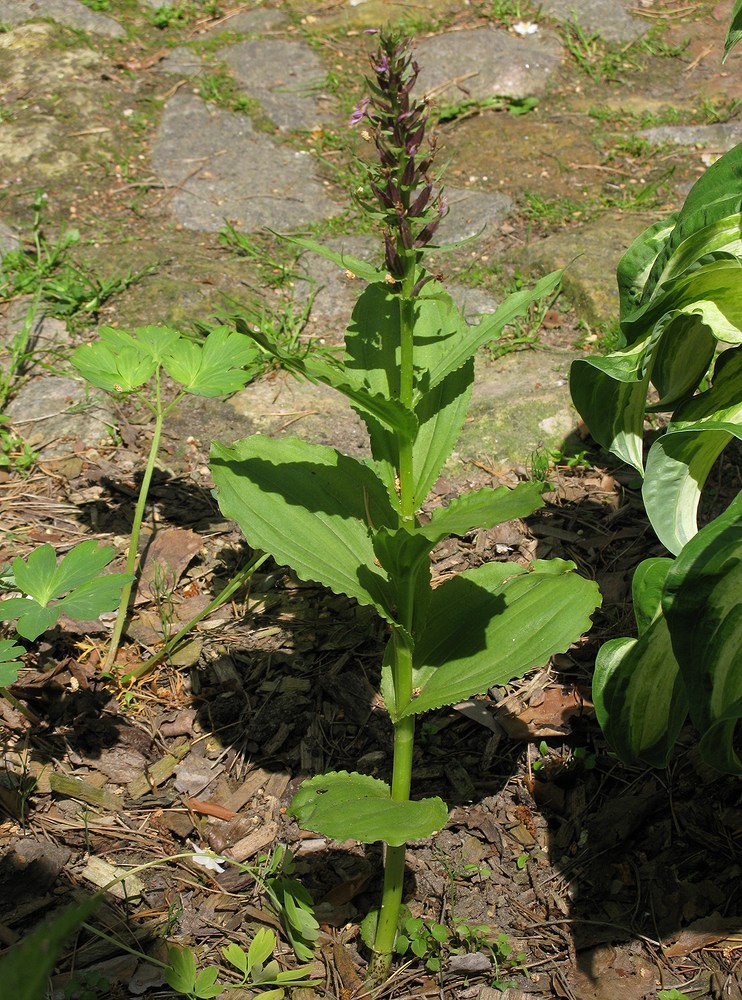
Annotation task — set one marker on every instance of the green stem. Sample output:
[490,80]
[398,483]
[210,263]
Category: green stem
[401,661]
[241,577]
[131,559]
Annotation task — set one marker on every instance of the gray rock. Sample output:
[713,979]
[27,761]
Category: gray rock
[286,77]
[181,61]
[69,12]
[9,239]
[221,168]
[250,21]
[720,137]
[591,255]
[473,303]
[611,19]
[482,62]
[471,213]
[51,413]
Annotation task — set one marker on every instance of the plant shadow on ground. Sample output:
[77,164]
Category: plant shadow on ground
[582,862]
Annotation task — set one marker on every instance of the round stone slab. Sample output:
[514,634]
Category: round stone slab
[481,63]
[69,12]
[220,168]
[286,77]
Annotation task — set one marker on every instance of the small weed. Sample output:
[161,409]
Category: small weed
[456,111]
[87,984]
[181,14]
[219,87]
[505,11]
[272,271]
[98,5]
[15,453]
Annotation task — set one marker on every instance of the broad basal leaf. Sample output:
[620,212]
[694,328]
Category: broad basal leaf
[610,395]
[343,805]
[703,605]
[214,368]
[491,624]
[639,696]
[311,507]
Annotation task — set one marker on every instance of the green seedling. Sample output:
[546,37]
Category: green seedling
[256,966]
[134,364]
[352,526]
[681,329]
[445,113]
[272,271]
[15,453]
[74,587]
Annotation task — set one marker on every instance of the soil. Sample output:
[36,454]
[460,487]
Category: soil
[593,880]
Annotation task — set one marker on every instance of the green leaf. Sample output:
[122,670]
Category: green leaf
[214,368]
[32,618]
[343,805]
[311,507]
[679,462]
[236,957]
[261,948]
[639,696]
[360,268]
[646,590]
[390,413]
[493,623]
[93,599]
[470,338]
[40,576]
[10,662]
[204,987]
[25,968]
[483,508]
[704,613]
[735,30]
[610,395]
[181,973]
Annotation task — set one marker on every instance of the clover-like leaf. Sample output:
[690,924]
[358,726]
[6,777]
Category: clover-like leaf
[217,367]
[10,662]
[75,586]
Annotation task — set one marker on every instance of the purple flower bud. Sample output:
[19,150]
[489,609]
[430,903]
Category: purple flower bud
[383,64]
[359,112]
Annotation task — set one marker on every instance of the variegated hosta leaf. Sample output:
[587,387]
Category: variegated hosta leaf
[493,623]
[610,395]
[679,462]
[703,604]
[639,696]
[344,805]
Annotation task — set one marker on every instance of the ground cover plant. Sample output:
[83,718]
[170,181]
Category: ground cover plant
[353,526]
[681,318]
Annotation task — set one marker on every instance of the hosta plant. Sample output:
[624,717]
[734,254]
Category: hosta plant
[680,287]
[353,525]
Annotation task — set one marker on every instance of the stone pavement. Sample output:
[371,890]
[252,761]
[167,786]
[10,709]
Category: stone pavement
[82,88]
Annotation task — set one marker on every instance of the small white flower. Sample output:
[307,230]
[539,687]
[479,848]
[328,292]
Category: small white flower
[205,859]
[525,28]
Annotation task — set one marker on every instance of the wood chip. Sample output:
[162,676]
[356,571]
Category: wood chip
[100,873]
[84,791]
[254,842]
[158,772]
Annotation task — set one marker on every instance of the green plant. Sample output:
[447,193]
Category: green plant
[466,108]
[680,301]
[256,966]
[88,985]
[352,526]
[272,271]
[75,587]
[15,453]
[133,364]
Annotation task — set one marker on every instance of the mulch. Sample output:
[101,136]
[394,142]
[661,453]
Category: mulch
[605,881]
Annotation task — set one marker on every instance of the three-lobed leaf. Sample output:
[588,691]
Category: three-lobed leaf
[217,367]
[10,662]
